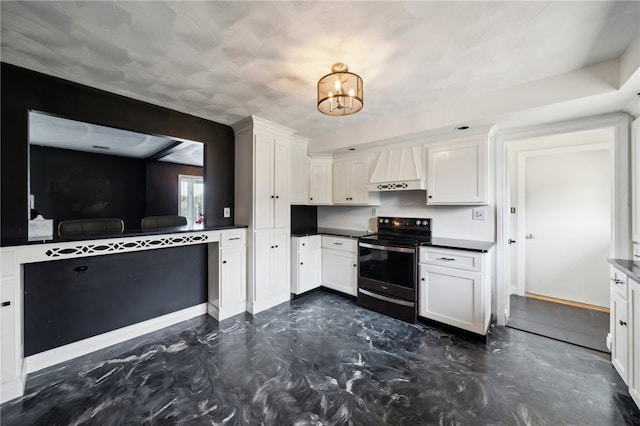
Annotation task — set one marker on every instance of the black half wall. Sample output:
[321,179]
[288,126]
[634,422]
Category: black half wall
[24,90]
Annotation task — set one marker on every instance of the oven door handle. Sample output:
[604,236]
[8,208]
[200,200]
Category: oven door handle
[386,299]
[389,248]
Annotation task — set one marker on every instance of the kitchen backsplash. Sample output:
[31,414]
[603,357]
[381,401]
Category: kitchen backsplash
[448,221]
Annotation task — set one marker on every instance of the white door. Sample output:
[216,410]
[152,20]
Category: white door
[262,268]
[232,276]
[341,183]
[359,181]
[280,283]
[565,230]
[282,207]
[320,183]
[619,350]
[264,184]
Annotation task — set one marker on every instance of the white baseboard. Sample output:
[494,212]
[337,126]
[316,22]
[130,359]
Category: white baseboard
[73,350]
[12,389]
[255,307]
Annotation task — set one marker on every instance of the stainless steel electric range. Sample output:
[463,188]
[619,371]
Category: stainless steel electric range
[388,266]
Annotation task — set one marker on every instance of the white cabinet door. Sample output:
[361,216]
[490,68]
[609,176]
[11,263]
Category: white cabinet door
[457,173]
[232,276]
[8,330]
[310,272]
[282,207]
[320,182]
[264,182]
[619,338]
[339,271]
[280,283]
[451,296]
[635,185]
[341,183]
[633,335]
[359,180]
[262,265]
[299,179]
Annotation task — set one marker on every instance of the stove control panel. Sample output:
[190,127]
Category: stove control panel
[404,223]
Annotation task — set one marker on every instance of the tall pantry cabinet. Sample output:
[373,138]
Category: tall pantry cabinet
[262,170]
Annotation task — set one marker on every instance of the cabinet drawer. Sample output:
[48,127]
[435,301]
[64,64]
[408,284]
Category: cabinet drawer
[233,238]
[619,282]
[459,259]
[337,243]
[312,242]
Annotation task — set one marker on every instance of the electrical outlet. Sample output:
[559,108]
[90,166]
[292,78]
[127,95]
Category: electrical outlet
[478,214]
[374,211]
[227,212]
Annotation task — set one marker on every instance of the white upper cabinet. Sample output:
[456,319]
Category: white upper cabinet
[300,173]
[457,172]
[635,185]
[350,179]
[272,208]
[320,188]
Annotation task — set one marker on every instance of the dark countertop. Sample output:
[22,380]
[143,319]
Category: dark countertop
[454,243]
[126,233]
[629,267]
[347,233]
[451,243]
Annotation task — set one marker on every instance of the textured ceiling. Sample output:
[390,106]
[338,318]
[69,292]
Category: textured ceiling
[227,60]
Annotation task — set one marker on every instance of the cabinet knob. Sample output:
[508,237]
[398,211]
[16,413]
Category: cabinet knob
[354,265]
[277,196]
[273,196]
[302,263]
[276,246]
[303,244]
[271,246]
[224,261]
[421,279]
[430,196]
[622,323]
[7,303]
[311,198]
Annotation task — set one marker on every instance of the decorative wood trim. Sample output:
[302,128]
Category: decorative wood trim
[568,303]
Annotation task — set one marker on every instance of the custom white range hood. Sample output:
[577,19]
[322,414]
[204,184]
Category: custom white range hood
[398,170]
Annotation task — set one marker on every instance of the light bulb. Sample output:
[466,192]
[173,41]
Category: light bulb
[351,93]
[337,85]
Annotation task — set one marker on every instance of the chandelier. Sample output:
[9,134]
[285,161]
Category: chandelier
[340,93]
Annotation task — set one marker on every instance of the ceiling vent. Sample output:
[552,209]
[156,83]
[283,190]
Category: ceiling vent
[398,169]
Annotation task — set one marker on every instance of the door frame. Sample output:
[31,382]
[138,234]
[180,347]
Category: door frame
[618,126]
[522,156]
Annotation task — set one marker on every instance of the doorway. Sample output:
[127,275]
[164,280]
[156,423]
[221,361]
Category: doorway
[561,216]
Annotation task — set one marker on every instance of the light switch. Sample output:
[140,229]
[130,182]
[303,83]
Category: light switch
[227,212]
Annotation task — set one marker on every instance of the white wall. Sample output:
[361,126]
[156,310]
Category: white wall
[448,221]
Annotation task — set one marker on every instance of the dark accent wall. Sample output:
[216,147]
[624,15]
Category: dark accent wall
[70,185]
[162,186]
[23,90]
[304,219]
[69,300]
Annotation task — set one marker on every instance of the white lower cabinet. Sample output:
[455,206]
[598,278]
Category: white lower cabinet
[455,288]
[619,338]
[633,340]
[10,368]
[340,264]
[233,283]
[306,260]
[271,269]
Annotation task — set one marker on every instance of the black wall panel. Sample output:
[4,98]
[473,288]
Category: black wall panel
[69,300]
[162,186]
[23,90]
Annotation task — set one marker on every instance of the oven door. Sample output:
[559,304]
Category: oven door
[388,270]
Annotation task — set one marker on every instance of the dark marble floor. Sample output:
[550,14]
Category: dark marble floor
[322,360]
[579,326]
